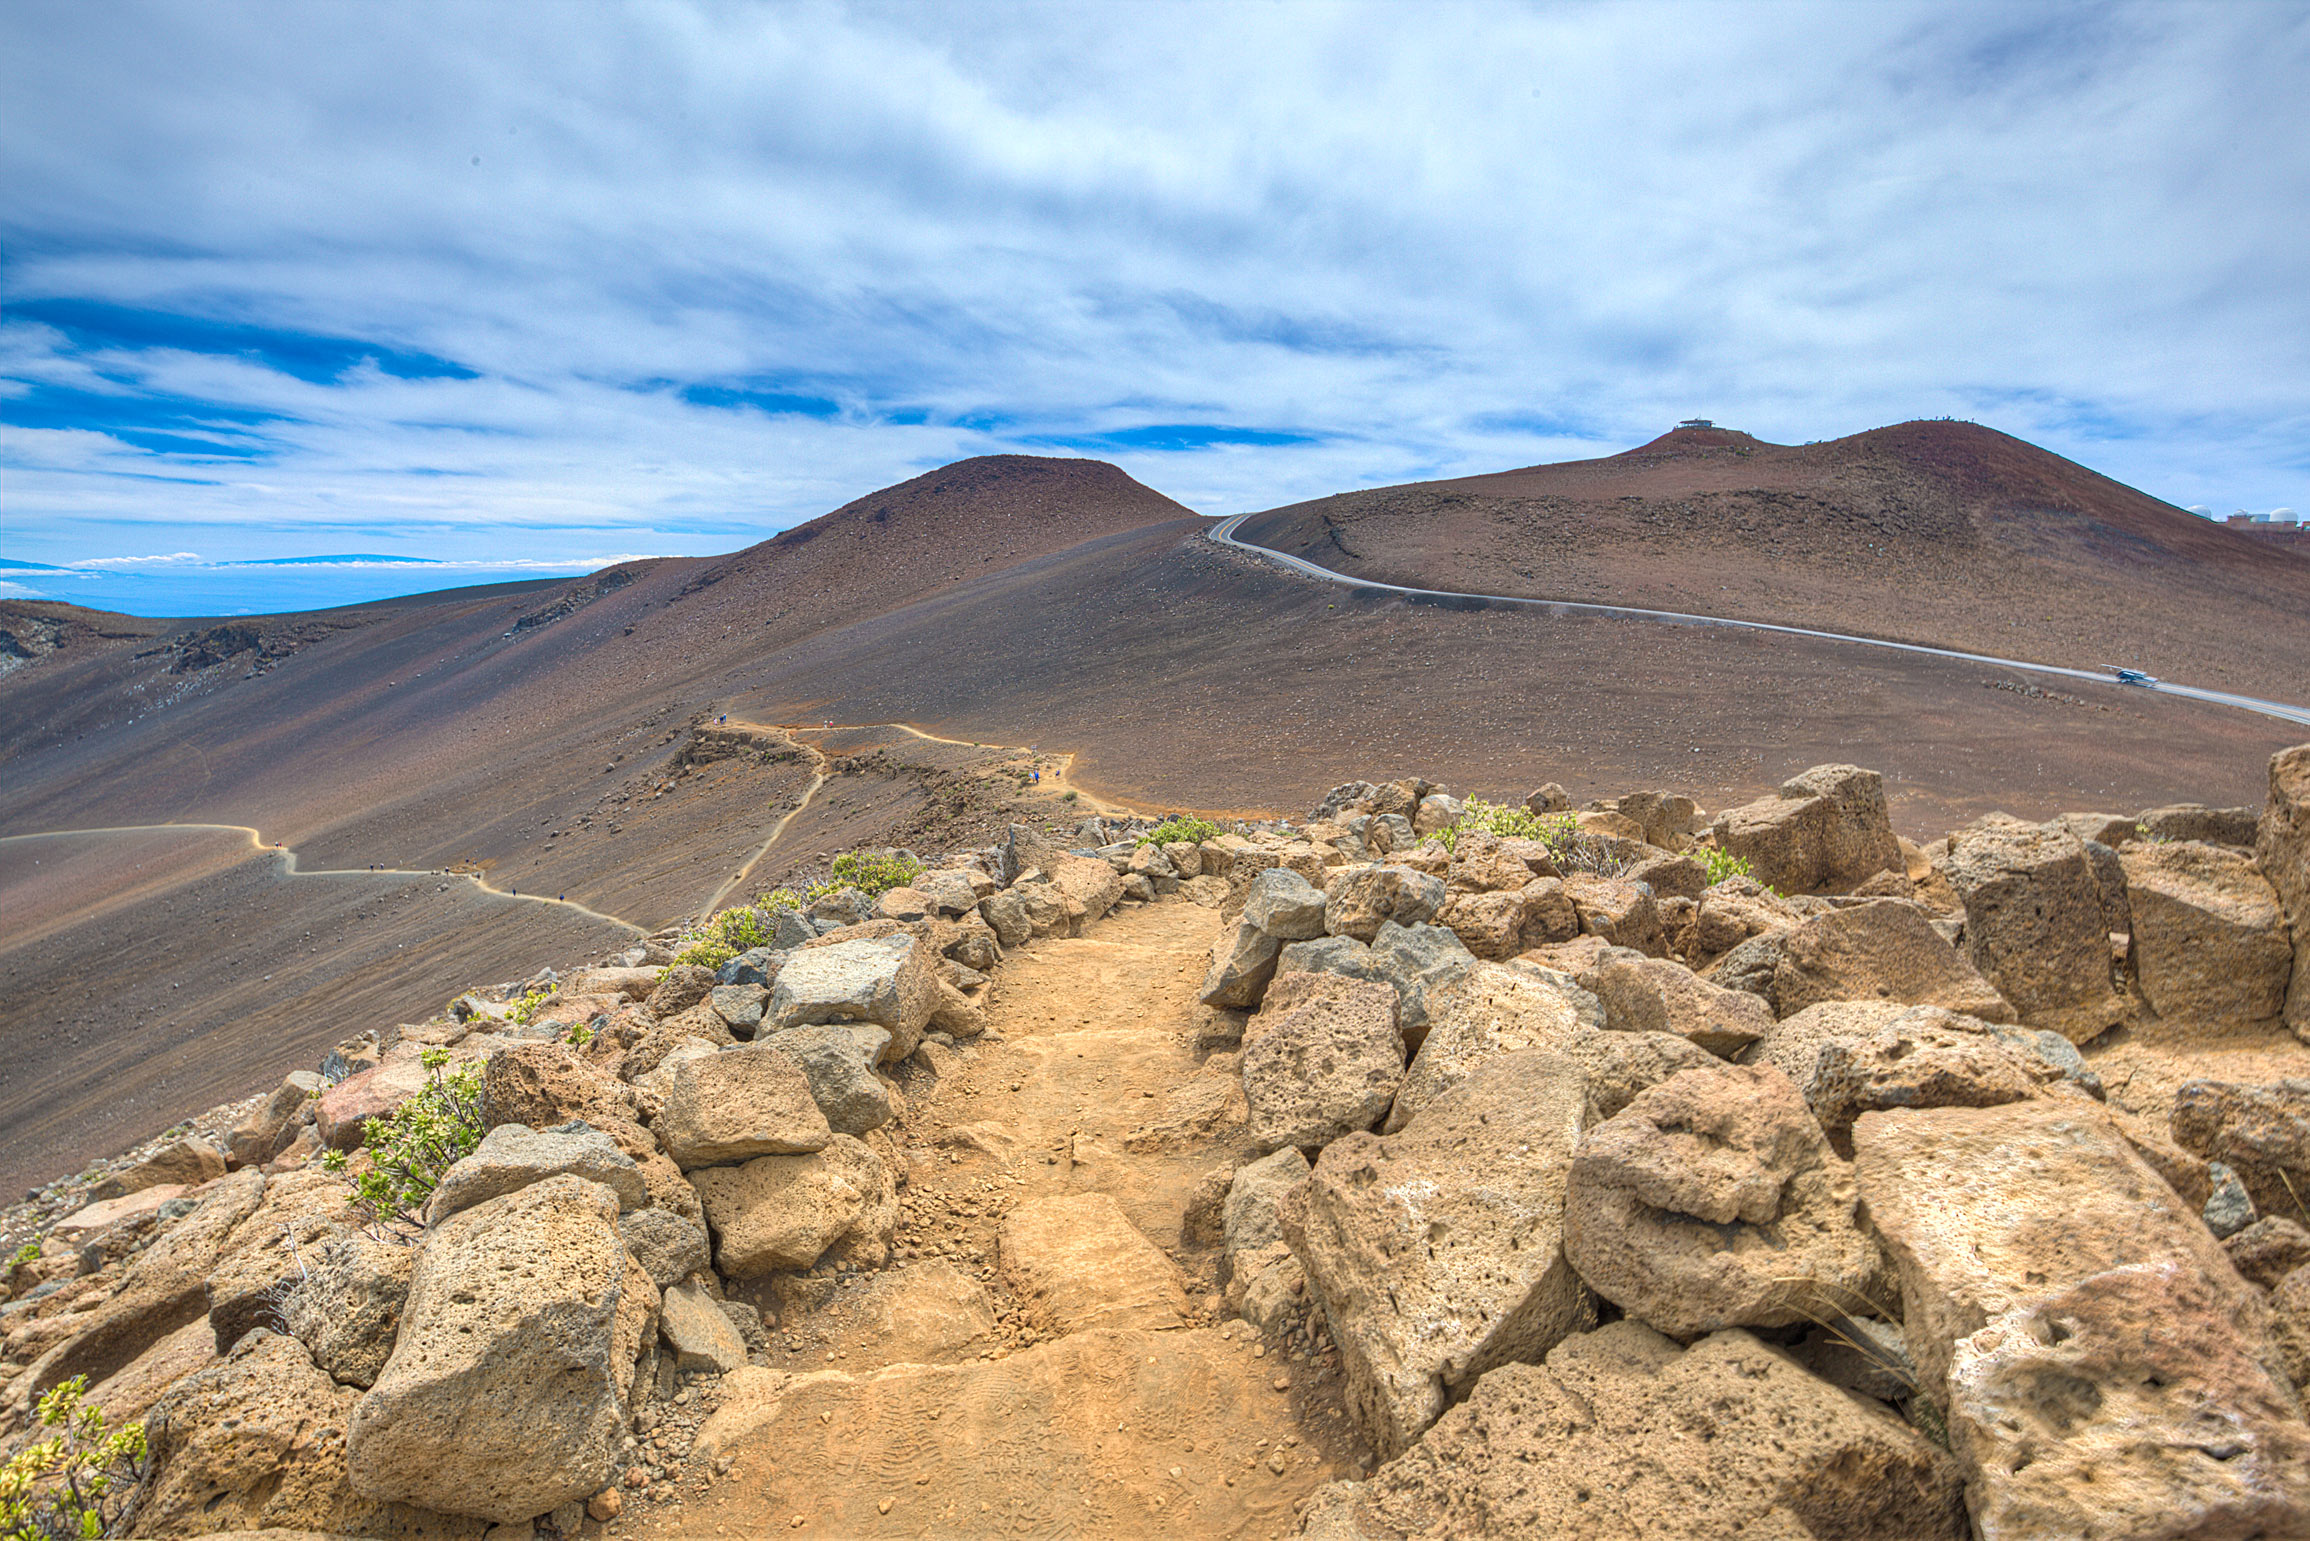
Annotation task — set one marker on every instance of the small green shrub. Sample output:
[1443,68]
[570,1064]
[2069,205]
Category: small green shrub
[1182,826]
[874,875]
[579,1035]
[414,1144]
[743,928]
[18,1259]
[1722,864]
[74,1483]
[524,1011]
[707,952]
[1509,822]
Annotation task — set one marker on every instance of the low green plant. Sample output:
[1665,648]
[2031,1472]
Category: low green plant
[874,874]
[1722,864]
[743,928]
[707,952]
[411,1146]
[75,1482]
[1182,826]
[524,1011]
[579,1035]
[1509,822]
[18,1259]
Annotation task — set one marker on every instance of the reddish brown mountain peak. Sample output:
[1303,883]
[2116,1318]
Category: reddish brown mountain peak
[1698,435]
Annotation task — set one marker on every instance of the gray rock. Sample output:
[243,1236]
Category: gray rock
[949,891]
[789,929]
[1242,963]
[668,1247]
[1342,955]
[886,980]
[693,1326]
[1417,960]
[1285,905]
[2231,1209]
[1249,1214]
[1359,900]
[513,1156]
[754,966]
[740,1006]
[838,1060]
[1006,915]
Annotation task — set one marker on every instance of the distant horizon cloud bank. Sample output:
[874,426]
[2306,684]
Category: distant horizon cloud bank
[473,282]
[183,584]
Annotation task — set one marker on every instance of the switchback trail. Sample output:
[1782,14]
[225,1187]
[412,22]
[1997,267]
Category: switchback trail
[1223,533]
[291,869]
[819,777]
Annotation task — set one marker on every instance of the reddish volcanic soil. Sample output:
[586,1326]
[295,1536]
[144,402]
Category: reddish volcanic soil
[537,732]
[1943,533]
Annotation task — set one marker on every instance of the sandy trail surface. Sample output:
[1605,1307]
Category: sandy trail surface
[922,1401]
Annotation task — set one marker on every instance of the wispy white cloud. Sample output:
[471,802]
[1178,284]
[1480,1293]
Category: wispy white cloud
[171,559]
[666,276]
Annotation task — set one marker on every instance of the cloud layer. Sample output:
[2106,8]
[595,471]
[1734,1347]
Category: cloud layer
[484,282]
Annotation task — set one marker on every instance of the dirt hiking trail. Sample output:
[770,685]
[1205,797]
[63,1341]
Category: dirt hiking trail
[1027,1366]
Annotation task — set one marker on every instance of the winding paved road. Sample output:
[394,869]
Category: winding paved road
[1224,534]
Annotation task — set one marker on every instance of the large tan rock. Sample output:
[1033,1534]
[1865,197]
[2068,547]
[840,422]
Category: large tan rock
[2261,1132]
[2282,850]
[179,1164]
[261,1135]
[1437,1251]
[1655,995]
[1827,830]
[545,1084]
[2128,1404]
[2290,1313]
[1622,1436]
[2035,1249]
[1490,1010]
[1093,884]
[786,1212]
[1076,1263]
[1924,1058]
[2035,923]
[163,1287]
[346,1308]
[257,1442]
[1328,1067]
[514,1156]
[738,1104]
[1885,950]
[504,1396]
[1711,1201]
[2210,941]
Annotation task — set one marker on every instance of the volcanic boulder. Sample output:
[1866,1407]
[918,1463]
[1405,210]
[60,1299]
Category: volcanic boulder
[1437,1251]
[1711,1201]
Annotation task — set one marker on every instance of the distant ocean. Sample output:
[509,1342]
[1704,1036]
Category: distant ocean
[187,586]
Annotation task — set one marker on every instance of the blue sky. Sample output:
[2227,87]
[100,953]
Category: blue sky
[494,284]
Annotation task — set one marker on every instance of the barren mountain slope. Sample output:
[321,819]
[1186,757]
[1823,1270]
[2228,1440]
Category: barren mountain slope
[1943,533]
